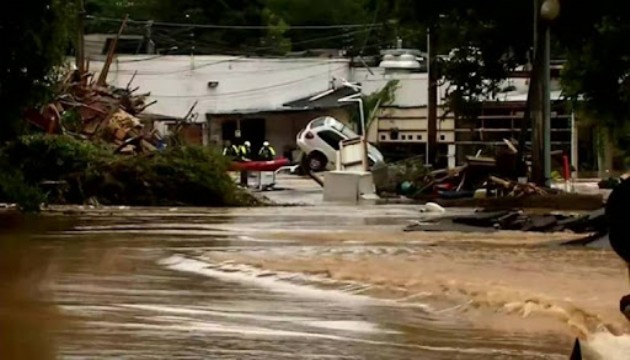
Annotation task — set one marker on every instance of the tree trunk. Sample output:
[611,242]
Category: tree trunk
[605,153]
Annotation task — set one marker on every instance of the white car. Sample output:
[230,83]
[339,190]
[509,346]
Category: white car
[319,141]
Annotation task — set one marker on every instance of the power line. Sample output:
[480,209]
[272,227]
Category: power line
[234,27]
[254,90]
[236,72]
[324,38]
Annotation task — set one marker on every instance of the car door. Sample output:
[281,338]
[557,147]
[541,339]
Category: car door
[332,139]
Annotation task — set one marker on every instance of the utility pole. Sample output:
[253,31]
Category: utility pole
[536,109]
[545,12]
[432,96]
[80,48]
[192,47]
[150,45]
[546,105]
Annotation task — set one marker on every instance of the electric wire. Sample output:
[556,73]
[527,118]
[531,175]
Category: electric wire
[253,90]
[227,27]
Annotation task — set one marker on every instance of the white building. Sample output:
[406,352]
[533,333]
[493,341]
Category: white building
[235,93]
[401,127]
[272,99]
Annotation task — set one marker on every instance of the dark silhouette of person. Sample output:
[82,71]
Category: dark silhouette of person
[618,218]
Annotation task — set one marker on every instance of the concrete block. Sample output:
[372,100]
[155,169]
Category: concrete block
[347,187]
[366,184]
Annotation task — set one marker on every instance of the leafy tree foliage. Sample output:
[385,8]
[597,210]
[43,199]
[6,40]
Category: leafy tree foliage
[278,15]
[323,12]
[211,12]
[594,37]
[483,40]
[34,38]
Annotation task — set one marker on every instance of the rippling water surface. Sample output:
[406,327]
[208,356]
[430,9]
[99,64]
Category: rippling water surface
[148,283]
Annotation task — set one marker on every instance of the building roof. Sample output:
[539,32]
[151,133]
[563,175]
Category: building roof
[325,100]
[96,44]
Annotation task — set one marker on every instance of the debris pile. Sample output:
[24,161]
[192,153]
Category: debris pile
[86,109]
[514,188]
[593,222]
[481,177]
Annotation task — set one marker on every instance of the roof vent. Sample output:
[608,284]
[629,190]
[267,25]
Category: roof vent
[401,62]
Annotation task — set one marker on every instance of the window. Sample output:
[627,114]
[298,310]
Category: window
[393,134]
[418,137]
[331,138]
[442,137]
[403,137]
[383,137]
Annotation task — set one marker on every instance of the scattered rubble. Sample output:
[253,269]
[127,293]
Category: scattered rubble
[589,223]
[481,177]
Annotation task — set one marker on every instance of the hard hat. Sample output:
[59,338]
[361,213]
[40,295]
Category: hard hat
[247,143]
[266,143]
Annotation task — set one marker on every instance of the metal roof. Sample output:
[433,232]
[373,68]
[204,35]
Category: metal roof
[325,100]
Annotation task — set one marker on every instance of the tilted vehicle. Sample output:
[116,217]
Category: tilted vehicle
[319,141]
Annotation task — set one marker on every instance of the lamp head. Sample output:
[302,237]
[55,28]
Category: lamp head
[550,9]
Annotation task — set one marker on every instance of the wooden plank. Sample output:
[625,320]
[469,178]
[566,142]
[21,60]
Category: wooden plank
[110,54]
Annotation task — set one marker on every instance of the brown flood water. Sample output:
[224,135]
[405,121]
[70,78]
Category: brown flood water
[302,283]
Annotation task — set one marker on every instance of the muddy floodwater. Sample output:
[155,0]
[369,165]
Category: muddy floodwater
[297,283]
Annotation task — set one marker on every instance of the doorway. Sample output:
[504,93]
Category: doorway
[252,130]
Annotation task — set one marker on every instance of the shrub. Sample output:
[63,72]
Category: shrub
[178,176]
[195,176]
[13,189]
[51,157]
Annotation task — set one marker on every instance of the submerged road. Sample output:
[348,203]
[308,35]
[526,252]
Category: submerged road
[134,284]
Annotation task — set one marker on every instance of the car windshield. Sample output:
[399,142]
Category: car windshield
[318,123]
[346,131]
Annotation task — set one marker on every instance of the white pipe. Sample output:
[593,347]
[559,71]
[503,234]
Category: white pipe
[361,113]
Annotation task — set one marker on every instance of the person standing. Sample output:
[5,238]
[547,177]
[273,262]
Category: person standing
[267,152]
[618,218]
[230,150]
[246,151]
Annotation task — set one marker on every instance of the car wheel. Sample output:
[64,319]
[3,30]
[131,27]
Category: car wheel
[316,161]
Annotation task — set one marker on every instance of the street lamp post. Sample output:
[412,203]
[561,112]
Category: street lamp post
[545,12]
[549,11]
[357,98]
[432,96]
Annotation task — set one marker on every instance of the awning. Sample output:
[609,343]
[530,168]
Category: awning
[325,100]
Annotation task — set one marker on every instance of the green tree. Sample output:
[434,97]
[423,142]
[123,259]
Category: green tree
[373,102]
[35,35]
[595,76]
[275,40]
[208,12]
[322,12]
[482,41]
[117,9]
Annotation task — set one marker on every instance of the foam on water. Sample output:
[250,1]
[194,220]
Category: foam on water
[350,326]
[606,346]
[201,328]
[249,275]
